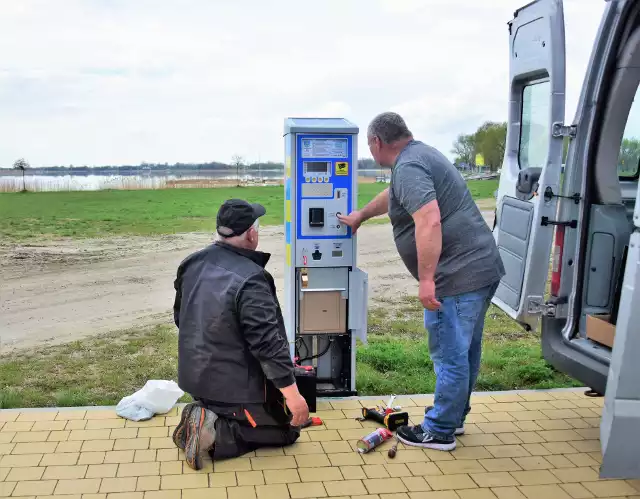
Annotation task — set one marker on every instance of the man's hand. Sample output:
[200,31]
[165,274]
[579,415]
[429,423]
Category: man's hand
[427,295]
[353,220]
[299,409]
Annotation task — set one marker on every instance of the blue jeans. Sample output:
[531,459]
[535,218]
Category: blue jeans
[455,345]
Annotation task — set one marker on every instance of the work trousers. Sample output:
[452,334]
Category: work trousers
[455,346]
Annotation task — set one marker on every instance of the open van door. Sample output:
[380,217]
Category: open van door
[533,158]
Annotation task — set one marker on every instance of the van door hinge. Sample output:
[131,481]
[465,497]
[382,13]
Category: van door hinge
[549,195]
[559,129]
[537,306]
[571,223]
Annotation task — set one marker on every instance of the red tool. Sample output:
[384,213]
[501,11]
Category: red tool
[312,422]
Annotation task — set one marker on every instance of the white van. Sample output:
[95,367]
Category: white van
[590,213]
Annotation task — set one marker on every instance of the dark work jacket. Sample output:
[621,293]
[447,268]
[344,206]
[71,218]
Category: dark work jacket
[232,344]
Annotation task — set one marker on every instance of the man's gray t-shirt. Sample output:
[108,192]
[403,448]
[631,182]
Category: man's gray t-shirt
[469,259]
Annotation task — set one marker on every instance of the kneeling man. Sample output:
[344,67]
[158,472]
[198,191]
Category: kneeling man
[233,354]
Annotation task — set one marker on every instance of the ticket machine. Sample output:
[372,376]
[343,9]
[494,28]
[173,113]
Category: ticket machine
[325,293]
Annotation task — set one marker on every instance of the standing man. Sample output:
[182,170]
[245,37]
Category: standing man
[448,248]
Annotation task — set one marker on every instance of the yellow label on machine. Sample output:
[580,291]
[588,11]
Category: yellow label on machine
[288,254]
[287,210]
[287,169]
[342,168]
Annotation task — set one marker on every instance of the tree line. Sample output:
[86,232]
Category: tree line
[485,147]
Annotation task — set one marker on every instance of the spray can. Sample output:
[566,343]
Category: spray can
[372,440]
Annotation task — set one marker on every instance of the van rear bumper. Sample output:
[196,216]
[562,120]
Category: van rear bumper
[569,360]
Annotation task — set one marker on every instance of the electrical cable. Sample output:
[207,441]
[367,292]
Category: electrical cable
[300,361]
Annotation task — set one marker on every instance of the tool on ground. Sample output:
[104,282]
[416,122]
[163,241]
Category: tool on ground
[372,440]
[389,416]
[394,449]
[312,422]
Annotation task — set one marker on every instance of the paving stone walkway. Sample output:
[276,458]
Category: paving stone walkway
[534,445]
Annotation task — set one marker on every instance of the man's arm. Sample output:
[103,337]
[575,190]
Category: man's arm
[428,239]
[379,205]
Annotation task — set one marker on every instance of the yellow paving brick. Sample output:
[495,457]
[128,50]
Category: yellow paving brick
[276,451]
[30,436]
[385,485]
[146,483]
[160,443]
[240,464]
[398,470]
[509,438]
[377,471]
[405,455]
[83,486]
[89,435]
[345,459]
[578,423]
[335,447]
[535,477]
[375,457]
[6,488]
[66,447]
[154,431]
[560,413]
[102,471]
[124,433]
[330,414]
[34,488]
[560,435]
[3,473]
[223,479]
[97,445]
[138,469]
[494,479]
[37,416]
[105,424]
[171,468]
[348,473]
[497,417]
[582,459]
[18,426]
[469,453]
[535,396]
[425,469]
[34,448]
[91,457]
[300,449]
[65,472]
[205,494]
[476,418]
[342,424]
[416,484]
[61,459]
[537,406]
[306,490]
[580,446]
[500,464]
[292,476]
[576,490]
[128,484]
[586,413]
[560,447]
[507,450]
[476,494]
[575,475]
[479,409]
[58,436]
[163,494]
[274,491]
[119,456]
[166,454]
[476,440]
[76,496]
[450,482]
[7,436]
[554,424]
[94,496]
[461,466]
[527,426]
[530,437]
[309,461]
[508,493]
[250,478]
[132,444]
[70,415]
[533,463]
[76,424]
[353,434]
[440,494]
[126,495]
[344,487]
[25,474]
[6,449]
[325,435]
[20,461]
[156,421]
[348,404]
[560,461]
[522,416]
[274,463]
[545,491]
[321,474]
[610,488]
[7,416]
[246,492]
[144,456]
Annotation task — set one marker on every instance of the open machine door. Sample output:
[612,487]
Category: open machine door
[533,158]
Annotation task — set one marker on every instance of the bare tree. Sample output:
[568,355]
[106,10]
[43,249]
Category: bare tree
[238,162]
[22,164]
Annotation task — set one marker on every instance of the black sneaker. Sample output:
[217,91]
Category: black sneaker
[417,437]
[459,431]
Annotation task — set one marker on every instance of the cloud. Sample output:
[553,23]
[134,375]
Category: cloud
[120,82]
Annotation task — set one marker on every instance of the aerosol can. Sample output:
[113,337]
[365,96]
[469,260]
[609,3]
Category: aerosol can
[372,440]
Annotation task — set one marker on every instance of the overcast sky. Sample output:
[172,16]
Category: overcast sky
[124,81]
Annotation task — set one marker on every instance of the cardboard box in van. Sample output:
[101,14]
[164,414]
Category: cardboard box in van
[600,329]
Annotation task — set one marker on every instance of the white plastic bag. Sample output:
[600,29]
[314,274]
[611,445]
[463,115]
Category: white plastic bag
[155,397]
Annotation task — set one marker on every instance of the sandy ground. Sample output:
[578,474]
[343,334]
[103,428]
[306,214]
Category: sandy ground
[53,293]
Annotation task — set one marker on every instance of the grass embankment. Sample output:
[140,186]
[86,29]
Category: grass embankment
[102,370]
[146,212]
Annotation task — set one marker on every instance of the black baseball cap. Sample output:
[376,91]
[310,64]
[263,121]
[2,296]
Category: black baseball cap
[236,216]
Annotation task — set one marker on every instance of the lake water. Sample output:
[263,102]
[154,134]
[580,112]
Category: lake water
[11,181]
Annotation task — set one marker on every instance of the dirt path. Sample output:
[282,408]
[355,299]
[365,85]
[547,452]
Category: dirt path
[71,289]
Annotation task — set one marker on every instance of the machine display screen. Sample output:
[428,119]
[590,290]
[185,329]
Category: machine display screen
[324,148]
[320,167]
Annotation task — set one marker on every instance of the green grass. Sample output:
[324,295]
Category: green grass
[103,369]
[145,212]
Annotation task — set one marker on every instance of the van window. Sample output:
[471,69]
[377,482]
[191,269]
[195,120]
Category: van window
[534,130]
[630,147]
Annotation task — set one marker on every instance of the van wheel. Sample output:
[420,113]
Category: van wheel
[592,393]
